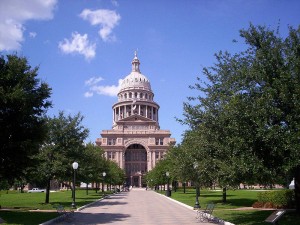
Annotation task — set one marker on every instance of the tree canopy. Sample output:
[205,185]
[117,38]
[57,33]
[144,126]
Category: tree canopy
[247,112]
[63,146]
[23,104]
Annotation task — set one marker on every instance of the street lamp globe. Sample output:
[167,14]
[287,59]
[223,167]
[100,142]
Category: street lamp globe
[75,165]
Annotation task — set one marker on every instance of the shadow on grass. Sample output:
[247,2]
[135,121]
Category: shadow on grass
[242,202]
[26,218]
[244,217]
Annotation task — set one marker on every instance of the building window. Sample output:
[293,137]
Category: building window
[159,141]
[111,141]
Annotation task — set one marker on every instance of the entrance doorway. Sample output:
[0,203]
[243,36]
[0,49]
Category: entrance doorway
[135,165]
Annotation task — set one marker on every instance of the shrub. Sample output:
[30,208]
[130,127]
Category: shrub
[277,199]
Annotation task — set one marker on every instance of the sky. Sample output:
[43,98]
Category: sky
[84,47]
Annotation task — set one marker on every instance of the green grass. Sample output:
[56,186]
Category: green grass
[19,205]
[235,198]
[26,201]
[25,217]
[230,211]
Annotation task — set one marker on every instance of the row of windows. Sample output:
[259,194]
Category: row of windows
[139,95]
[135,156]
[158,141]
[135,167]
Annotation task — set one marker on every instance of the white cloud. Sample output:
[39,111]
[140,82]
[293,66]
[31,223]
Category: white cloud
[32,34]
[100,89]
[93,81]
[115,3]
[78,44]
[13,15]
[106,19]
[88,94]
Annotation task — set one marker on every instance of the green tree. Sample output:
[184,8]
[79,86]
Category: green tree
[249,109]
[92,165]
[114,174]
[63,146]
[23,104]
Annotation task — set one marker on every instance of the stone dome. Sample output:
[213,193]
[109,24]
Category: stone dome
[135,80]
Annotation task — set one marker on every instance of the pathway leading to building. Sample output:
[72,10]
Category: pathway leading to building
[137,207]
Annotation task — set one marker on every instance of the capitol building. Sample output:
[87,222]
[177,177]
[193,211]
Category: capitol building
[135,142]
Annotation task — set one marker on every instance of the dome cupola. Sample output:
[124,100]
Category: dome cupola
[135,80]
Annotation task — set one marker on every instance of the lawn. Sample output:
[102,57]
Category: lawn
[230,211]
[19,205]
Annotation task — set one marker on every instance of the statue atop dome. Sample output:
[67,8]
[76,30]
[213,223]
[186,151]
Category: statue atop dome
[135,63]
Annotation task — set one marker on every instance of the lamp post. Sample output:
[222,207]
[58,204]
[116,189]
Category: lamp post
[75,167]
[197,204]
[168,192]
[104,174]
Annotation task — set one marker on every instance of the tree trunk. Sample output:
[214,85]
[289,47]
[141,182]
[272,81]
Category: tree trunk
[48,191]
[87,189]
[224,195]
[184,187]
[297,189]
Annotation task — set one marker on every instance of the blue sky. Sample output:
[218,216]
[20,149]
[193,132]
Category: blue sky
[84,47]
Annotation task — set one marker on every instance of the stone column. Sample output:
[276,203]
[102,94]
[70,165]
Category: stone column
[151,112]
[146,113]
[140,180]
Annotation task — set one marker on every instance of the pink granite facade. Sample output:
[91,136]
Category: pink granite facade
[135,141]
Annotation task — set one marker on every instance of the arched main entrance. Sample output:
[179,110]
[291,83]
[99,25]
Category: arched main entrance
[135,165]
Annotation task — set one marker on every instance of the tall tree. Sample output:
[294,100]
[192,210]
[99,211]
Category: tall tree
[92,164]
[63,146]
[23,104]
[250,109]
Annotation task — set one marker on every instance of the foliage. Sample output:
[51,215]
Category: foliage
[246,116]
[92,164]
[4,185]
[64,145]
[115,173]
[157,176]
[23,104]
[278,198]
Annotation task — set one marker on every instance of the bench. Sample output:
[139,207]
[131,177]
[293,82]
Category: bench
[206,215]
[63,214]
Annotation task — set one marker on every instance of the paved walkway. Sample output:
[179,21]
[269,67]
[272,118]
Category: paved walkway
[136,207]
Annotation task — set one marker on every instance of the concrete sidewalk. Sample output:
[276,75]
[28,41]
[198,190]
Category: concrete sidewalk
[136,207]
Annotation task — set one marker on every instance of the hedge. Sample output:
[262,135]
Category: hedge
[278,198]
